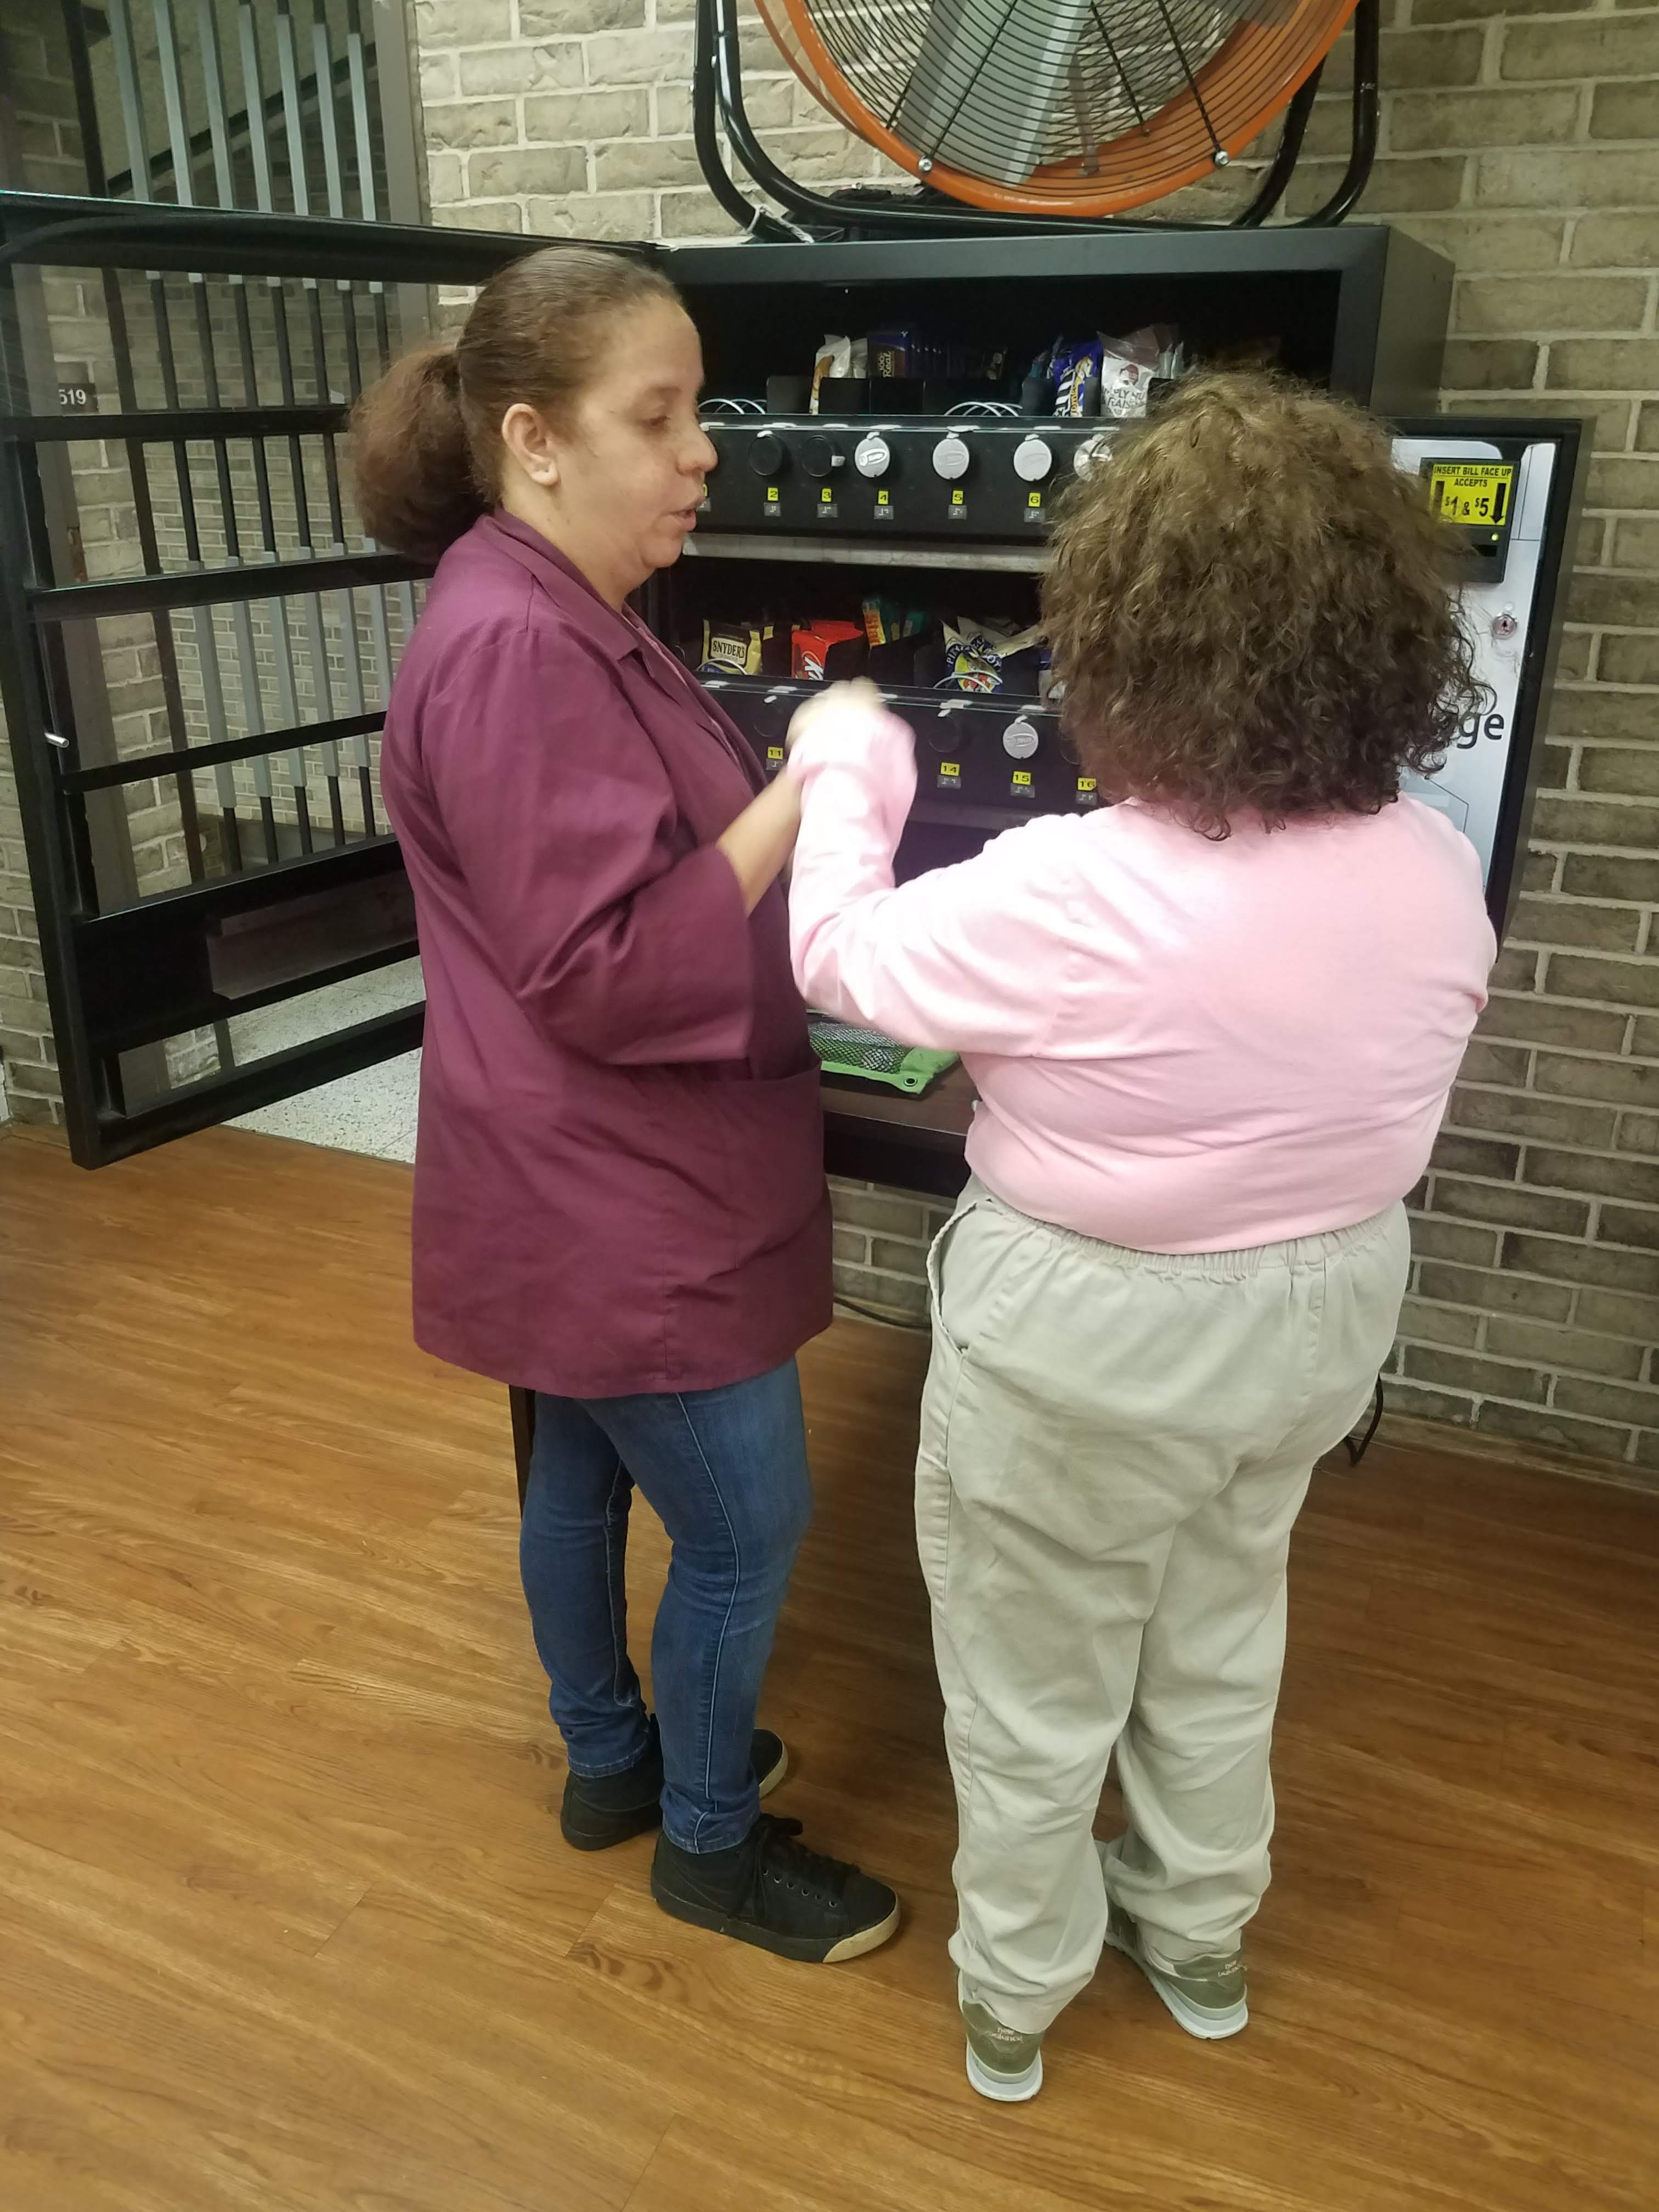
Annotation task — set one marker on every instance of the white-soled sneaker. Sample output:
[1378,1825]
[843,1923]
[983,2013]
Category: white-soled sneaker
[1003,2064]
[1205,1996]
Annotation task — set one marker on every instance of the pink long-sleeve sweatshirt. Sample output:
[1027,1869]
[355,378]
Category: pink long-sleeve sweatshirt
[1179,1045]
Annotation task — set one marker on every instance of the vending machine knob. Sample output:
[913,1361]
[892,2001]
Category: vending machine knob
[873,456]
[1091,455]
[818,457]
[952,456]
[767,454]
[1033,459]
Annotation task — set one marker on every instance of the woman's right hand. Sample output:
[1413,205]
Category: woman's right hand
[834,705]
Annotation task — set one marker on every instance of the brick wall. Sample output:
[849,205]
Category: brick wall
[1519,142]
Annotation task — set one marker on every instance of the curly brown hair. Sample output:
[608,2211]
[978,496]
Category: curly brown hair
[1248,606]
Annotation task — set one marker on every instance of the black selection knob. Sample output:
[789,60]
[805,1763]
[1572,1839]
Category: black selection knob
[818,457]
[767,454]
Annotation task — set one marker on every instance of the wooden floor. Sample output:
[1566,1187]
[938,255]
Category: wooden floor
[285,1922]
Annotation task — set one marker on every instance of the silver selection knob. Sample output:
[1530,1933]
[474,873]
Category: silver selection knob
[872,456]
[952,456]
[1090,455]
[1033,459]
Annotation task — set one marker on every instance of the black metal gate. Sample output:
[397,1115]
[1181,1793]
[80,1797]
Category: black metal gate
[194,673]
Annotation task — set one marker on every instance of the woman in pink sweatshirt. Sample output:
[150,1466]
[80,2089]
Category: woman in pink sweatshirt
[1213,1028]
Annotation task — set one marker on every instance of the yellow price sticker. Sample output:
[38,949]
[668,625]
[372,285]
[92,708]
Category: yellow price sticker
[1472,492]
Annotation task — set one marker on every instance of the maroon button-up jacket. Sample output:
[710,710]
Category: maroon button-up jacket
[619,1175]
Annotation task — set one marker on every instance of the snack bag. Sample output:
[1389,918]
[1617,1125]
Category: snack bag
[1129,367]
[733,648]
[886,622]
[1077,377]
[810,644]
[975,654]
[838,356]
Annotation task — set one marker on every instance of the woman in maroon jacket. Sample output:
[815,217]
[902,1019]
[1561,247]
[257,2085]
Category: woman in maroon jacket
[619,1197]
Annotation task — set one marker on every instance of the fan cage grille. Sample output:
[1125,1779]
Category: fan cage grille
[1067,106]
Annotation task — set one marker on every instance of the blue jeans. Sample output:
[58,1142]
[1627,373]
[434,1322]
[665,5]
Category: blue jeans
[726,1471]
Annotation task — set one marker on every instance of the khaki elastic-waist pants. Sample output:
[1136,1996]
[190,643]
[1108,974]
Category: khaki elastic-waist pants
[1114,1445]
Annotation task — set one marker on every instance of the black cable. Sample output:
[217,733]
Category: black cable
[1357,1451]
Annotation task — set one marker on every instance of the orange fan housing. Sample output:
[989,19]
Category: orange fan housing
[1212,116]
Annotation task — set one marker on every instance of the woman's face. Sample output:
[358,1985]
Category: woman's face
[621,483]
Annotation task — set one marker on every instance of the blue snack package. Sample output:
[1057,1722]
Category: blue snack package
[1077,389]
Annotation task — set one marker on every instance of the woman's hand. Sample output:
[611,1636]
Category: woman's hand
[860,696]
[761,840]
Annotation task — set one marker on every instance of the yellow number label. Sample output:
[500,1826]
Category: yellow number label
[774,752]
[1022,776]
[884,499]
[950,768]
[772,492]
[957,497]
[825,497]
[1086,783]
[1034,499]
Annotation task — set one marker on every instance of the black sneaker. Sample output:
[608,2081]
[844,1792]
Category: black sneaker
[772,1892]
[609,1810]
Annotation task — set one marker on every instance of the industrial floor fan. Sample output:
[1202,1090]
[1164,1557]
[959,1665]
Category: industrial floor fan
[1035,114]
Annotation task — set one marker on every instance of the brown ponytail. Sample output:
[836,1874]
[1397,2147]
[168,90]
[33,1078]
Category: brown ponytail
[426,440]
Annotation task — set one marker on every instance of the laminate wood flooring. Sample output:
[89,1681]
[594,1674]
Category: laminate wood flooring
[286,1925]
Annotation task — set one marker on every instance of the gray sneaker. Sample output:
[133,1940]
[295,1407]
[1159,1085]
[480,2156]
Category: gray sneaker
[1206,1995]
[1003,2064]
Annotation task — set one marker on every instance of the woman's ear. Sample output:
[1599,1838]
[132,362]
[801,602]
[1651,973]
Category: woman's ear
[530,444]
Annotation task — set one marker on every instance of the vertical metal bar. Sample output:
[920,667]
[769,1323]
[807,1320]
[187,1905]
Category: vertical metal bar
[401,137]
[254,93]
[357,72]
[126,84]
[254,98]
[212,79]
[86,99]
[213,85]
[172,101]
[287,70]
[322,64]
[207,641]
[137,461]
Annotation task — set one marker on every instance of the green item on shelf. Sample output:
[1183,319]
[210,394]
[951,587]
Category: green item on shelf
[843,1049]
